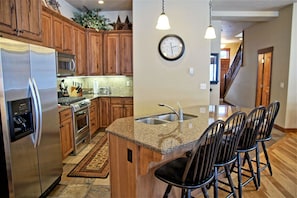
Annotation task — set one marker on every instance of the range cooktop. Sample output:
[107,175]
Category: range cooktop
[69,100]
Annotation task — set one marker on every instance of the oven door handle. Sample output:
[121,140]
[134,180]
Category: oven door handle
[81,113]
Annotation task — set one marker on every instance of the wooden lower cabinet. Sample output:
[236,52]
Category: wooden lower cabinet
[132,170]
[66,132]
[104,112]
[94,115]
[112,108]
[121,107]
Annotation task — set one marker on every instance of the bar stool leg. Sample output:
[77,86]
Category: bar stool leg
[227,171]
[252,170]
[239,175]
[258,165]
[168,189]
[267,158]
[216,183]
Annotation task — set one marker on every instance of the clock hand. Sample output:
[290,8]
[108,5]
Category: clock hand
[171,47]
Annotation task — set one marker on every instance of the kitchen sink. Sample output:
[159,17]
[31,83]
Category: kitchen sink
[173,117]
[164,118]
[151,120]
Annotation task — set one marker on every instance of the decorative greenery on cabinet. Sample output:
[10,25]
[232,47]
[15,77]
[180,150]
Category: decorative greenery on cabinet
[92,19]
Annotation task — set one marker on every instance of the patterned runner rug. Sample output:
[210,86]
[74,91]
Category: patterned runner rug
[95,164]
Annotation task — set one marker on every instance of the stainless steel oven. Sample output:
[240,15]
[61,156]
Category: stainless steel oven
[81,126]
[80,115]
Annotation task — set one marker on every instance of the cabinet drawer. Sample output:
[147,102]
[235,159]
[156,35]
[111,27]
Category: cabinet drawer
[122,100]
[65,114]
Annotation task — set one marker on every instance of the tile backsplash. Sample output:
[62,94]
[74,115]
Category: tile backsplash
[119,85]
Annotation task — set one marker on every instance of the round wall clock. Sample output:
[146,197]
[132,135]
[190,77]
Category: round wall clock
[171,47]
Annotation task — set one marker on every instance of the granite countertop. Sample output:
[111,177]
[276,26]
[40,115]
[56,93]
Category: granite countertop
[166,138]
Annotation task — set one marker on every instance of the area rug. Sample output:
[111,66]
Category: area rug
[95,164]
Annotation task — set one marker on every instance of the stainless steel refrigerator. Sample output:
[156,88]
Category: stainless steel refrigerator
[30,139]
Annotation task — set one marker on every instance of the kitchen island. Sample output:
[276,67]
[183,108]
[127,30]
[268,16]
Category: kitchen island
[136,149]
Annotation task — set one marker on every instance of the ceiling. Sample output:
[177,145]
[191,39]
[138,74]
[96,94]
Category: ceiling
[236,15]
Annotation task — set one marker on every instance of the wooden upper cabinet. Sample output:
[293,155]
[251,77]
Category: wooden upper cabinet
[21,18]
[118,53]
[47,33]
[111,54]
[68,35]
[80,43]
[126,53]
[57,29]
[94,52]
[8,16]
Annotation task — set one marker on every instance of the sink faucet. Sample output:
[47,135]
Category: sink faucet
[179,114]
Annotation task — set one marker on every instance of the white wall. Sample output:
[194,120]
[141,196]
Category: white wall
[216,48]
[291,111]
[157,80]
[66,9]
[277,34]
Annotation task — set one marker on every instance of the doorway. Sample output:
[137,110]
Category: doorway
[264,76]
[225,64]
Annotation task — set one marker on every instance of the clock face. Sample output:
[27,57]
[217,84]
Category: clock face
[171,47]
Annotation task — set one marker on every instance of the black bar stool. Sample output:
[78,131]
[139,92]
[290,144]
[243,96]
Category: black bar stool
[195,170]
[246,144]
[234,126]
[265,135]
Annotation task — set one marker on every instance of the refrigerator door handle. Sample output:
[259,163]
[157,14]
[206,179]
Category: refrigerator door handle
[36,109]
[39,111]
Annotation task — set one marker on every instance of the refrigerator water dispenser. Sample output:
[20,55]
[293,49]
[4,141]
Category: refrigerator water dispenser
[20,118]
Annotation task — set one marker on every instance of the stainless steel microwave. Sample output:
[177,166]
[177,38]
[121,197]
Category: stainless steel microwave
[65,64]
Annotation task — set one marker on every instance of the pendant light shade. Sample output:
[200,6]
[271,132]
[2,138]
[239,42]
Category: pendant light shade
[210,32]
[163,21]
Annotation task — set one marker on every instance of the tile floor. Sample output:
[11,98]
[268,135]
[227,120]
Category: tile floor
[79,187]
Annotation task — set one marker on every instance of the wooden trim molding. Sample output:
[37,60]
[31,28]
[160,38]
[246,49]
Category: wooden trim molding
[286,130]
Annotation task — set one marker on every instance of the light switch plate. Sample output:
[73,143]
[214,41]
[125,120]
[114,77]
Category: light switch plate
[202,86]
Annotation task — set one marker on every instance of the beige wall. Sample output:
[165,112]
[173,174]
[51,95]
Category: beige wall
[277,34]
[157,80]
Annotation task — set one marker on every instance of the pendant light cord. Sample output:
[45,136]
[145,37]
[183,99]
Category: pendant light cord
[210,6]
[163,7]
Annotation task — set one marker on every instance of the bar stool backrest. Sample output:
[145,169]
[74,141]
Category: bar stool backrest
[234,126]
[249,135]
[267,125]
[199,166]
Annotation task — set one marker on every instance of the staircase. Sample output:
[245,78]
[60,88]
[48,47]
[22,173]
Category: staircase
[233,70]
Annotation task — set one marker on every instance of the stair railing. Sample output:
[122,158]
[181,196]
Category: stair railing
[233,70]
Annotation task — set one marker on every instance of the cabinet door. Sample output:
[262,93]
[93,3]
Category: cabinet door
[8,16]
[57,34]
[128,110]
[94,116]
[66,132]
[95,63]
[21,18]
[66,137]
[80,51]
[47,36]
[111,54]
[117,111]
[29,19]
[126,53]
[104,115]
[68,40]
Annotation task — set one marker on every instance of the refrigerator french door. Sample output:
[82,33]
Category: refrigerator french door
[28,97]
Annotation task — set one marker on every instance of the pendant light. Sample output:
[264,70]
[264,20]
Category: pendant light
[163,22]
[210,31]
